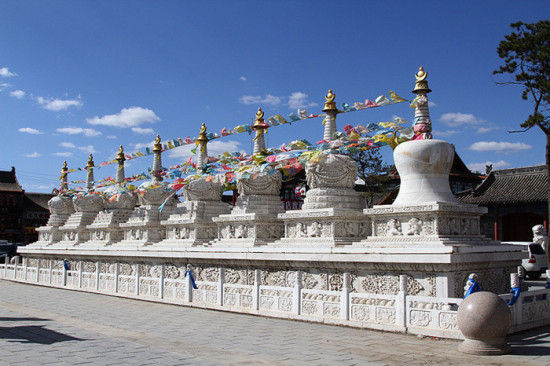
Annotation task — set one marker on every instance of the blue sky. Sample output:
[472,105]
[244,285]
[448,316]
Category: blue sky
[81,76]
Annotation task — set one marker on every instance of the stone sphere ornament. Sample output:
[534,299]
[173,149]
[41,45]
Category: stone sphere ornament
[484,319]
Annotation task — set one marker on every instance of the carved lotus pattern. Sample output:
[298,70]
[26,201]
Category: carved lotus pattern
[88,203]
[61,205]
[155,194]
[331,171]
[203,190]
[125,200]
[254,181]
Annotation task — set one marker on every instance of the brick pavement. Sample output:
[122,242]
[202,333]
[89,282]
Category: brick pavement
[40,325]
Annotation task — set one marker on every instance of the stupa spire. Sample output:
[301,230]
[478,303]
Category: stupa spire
[260,127]
[330,120]
[201,142]
[90,173]
[120,158]
[157,162]
[422,121]
[63,176]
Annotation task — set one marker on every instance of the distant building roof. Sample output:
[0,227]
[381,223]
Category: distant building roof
[514,186]
[41,199]
[8,181]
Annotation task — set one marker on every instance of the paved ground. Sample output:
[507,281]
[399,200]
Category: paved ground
[40,325]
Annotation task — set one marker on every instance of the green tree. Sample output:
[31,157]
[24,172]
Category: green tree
[526,56]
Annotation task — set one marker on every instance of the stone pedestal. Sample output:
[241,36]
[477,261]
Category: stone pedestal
[105,229]
[427,226]
[61,207]
[75,231]
[191,224]
[253,220]
[331,214]
[144,224]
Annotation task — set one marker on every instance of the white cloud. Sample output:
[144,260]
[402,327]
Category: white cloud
[5,72]
[299,100]
[214,148]
[141,145]
[111,137]
[445,133]
[64,154]
[127,117]
[143,131]
[33,155]
[4,85]
[243,78]
[480,167]
[68,145]
[499,146]
[482,130]
[89,149]
[57,105]
[431,104]
[88,132]
[256,99]
[458,119]
[19,94]
[32,131]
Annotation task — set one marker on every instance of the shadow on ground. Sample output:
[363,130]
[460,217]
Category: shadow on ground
[531,343]
[23,320]
[34,334]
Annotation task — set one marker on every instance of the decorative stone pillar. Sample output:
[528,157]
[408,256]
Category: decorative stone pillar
[202,152]
[260,127]
[253,220]
[87,205]
[156,202]
[331,112]
[332,210]
[61,207]
[191,223]
[119,203]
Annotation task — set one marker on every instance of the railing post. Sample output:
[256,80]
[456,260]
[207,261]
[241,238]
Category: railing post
[51,272]
[38,270]
[515,281]
[15,264]
[97,276]
[297,294]
[161,282]
[79,274]
[64,276]
[221,278]
[116,277]
[401,303]
[6,266]
[344,296]
[189,292]
[256,293]
[26,266]
[137,279]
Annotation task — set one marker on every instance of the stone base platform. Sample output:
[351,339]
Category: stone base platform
[323,227]
[247,229]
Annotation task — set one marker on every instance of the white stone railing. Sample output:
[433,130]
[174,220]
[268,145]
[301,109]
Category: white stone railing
[430,316]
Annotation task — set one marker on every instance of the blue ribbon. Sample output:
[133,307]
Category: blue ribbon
[192,279]
[547,283]
[474,287]
[65,265]
[516,291]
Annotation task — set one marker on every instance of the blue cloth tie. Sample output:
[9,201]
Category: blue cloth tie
[474,287]
[516,291]
[192,279]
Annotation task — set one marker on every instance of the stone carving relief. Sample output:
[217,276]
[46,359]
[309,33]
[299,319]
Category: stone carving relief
[208,274]
[256,182]
[388,284]
[394,228]
[336,282]
[448,321]
[385,316]
[203,190]
[420,318]
[360,313]
[414,226]
[309,307]
[331,170]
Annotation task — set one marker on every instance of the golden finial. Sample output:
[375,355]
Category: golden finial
[421,85]
[202,133]
[157,146]
[90,162]
[259,122]
[64,168]
[330,105]
[120,156]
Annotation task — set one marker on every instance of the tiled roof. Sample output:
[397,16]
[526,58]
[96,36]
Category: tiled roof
[509,187]
[40,199]
[8,181]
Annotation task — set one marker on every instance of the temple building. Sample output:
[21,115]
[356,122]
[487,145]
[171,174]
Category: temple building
[20,212]
[517,200]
